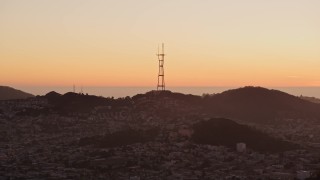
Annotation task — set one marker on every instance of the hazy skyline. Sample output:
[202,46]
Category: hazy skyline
[113,43]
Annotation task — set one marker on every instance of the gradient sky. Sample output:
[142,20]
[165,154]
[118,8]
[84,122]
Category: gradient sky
[113,43]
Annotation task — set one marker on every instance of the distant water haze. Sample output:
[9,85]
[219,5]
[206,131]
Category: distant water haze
[131,91]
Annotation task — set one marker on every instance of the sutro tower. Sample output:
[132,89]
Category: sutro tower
[161,84]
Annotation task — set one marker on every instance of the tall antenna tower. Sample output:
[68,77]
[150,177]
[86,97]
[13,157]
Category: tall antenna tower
[161,84]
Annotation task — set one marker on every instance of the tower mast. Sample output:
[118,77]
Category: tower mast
[161,84]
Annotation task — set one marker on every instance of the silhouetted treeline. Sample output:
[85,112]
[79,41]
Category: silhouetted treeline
[189,98]
[73,102]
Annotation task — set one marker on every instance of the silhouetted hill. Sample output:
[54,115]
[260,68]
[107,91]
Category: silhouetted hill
[219,131]
[252,104]
[258,104]
[7,93]
[73,102]
[52,95]
[168,94]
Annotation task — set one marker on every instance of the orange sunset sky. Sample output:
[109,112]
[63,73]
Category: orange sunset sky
[114,42]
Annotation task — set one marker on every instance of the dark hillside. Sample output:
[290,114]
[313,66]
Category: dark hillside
[73,102]
[168,94]
[226,132]
[258,104]
[8,93]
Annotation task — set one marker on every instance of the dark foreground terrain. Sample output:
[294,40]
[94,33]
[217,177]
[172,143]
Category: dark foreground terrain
[161,135]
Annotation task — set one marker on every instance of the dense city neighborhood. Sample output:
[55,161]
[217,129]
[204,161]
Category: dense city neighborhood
[149,136]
